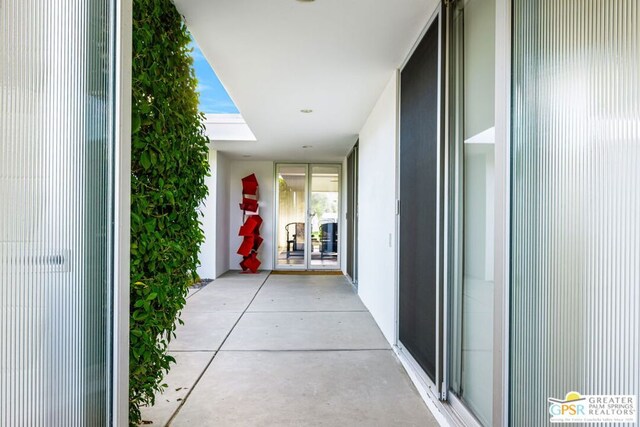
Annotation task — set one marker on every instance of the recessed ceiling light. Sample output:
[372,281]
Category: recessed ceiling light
[306,111]
[307,146]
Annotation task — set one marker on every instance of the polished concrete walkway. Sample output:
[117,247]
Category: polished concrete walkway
[280,350]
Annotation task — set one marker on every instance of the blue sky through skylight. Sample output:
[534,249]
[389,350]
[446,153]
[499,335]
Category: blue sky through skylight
[213,98]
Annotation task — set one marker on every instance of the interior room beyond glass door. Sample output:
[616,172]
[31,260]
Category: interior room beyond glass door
[307,212]
[291,216]
[323,216]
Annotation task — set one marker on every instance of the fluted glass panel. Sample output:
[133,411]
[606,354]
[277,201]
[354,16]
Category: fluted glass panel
[56,143]
[575,284]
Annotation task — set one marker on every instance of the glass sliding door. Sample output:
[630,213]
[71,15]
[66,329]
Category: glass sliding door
[352,215]
[472,90]
[420,229]
[291,216]
[324,204]
[575,236]
[56,237]
[308,214]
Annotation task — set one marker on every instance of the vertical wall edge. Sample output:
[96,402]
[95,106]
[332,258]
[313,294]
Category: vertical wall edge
[122,203]
[502,212]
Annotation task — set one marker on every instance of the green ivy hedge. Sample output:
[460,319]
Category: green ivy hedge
[169,165]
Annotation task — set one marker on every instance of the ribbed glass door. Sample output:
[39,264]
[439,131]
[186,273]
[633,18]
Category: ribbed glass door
[575,280]
[56,175]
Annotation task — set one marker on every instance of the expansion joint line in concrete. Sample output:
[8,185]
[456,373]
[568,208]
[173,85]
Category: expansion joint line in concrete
[175,413]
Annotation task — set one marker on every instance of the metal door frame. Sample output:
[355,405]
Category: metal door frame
[306,265]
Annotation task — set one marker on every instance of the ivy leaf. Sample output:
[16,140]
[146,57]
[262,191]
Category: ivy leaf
[170,197]
[145,161]
[150,225]
[136,123]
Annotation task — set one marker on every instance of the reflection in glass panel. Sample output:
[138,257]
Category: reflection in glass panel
[473,141]
[325,196]
[292,212]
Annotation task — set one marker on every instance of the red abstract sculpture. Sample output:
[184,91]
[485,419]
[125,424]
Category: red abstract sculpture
[250,185]
[250,205]
[250,226]
[250,230]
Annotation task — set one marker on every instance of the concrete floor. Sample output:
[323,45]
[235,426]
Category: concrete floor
[260,350]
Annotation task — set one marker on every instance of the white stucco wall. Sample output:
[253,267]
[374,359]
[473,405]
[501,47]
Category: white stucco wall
[377,210]
[214,251]
[207,269]
[264,173]
[222,210]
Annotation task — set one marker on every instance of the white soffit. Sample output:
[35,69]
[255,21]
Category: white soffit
[227,127]
[277,57]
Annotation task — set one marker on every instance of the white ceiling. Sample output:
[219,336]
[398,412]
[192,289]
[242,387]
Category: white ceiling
[276,57]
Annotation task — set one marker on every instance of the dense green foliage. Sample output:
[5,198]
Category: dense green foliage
[169,164]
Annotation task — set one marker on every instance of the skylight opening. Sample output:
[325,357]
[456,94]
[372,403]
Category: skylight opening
[214,99]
